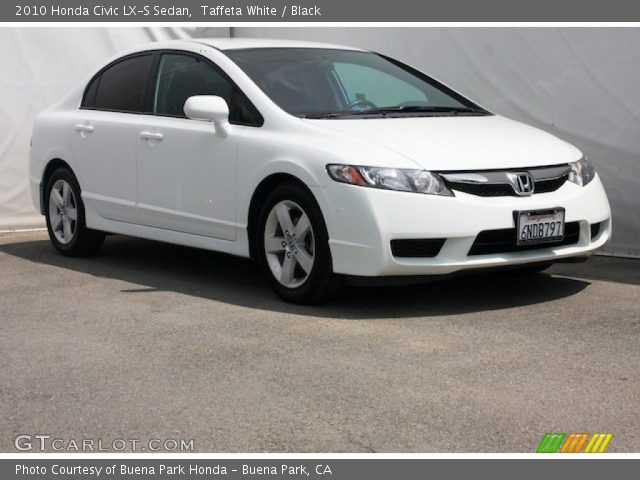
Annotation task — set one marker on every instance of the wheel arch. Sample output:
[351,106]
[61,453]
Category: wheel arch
[51,166]
[260,194]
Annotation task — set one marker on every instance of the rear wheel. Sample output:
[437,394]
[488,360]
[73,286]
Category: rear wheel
[293,246]
[65,216]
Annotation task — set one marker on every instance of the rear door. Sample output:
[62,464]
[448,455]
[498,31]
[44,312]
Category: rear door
[104,136]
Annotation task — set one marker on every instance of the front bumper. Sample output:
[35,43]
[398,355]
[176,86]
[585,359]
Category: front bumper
[362,222]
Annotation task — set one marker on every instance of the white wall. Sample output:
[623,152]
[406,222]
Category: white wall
[579,83]
[582,84]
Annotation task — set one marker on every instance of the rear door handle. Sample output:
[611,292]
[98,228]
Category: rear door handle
[151,136]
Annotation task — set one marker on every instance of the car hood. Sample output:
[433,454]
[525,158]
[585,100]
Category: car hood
[458,142]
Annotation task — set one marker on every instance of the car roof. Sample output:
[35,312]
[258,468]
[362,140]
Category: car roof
[243,43]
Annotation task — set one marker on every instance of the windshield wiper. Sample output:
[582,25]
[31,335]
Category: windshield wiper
[314,116]
[326,115]
[427,109]
[384,111]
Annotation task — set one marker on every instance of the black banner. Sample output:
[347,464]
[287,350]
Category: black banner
[318,11]
[319,469]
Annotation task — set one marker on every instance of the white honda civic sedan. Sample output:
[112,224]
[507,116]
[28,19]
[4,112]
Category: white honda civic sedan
[322,163]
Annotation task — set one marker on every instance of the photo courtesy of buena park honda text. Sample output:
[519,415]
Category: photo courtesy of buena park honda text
[291,239]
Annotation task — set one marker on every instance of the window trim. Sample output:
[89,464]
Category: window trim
[98,78]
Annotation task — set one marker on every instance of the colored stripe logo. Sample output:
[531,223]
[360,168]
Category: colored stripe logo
[574,443]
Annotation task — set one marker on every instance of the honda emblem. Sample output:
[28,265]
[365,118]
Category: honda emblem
[522,183]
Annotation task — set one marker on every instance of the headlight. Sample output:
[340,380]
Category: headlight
[403,180]
[582,172]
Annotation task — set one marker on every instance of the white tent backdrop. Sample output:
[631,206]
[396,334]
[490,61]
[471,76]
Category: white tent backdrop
[38,67]
[578,83]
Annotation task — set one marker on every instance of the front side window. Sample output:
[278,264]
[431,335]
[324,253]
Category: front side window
[182,76]
[121,87]
[311,82]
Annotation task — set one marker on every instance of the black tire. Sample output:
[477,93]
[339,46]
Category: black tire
[321,282]
[84,241]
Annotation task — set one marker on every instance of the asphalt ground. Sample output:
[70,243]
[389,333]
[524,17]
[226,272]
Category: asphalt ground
[153,341]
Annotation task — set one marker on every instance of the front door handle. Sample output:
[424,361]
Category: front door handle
[151,136]
[84,128]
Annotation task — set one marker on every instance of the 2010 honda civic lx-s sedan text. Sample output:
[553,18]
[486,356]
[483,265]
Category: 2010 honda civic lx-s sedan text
[322,163]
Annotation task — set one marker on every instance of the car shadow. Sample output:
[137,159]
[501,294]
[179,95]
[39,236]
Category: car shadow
[602,268]
[155,266]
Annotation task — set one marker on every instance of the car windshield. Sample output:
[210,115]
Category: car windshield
[331,83]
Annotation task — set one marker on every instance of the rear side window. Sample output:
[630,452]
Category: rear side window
[182,76]
[121,86]
[89,99]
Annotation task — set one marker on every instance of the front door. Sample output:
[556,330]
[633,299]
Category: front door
[186,177]
[186,170]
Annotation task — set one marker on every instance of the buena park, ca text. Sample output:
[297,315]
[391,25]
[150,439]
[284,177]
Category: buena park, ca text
[179,469]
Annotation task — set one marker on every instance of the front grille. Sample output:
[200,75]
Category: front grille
[486,190]
[546,186]
[496,183]
[505,189]
[504,241]
[416,247]
[595,229]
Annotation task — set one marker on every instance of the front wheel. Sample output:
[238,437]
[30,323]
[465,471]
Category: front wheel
[293,246]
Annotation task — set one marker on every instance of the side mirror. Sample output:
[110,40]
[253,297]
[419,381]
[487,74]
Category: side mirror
[209,108]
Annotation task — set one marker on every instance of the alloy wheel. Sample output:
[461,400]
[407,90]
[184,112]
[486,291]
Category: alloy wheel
[63,211]
[289,243]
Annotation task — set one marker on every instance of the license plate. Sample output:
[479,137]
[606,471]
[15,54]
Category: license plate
[540,226]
